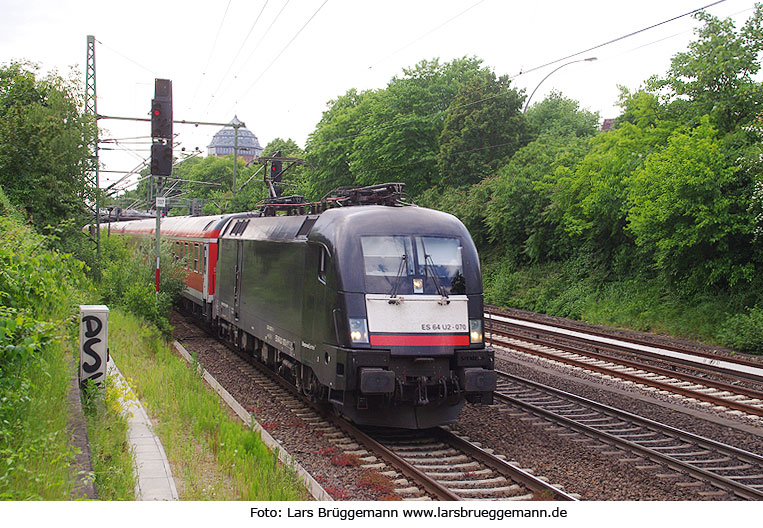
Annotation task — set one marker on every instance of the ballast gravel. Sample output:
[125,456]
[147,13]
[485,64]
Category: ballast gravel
[574,463]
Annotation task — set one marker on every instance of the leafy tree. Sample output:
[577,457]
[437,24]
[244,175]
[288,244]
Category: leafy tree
[715,76]
[43,146]
[330,144]
[557,115]
[483,127]
[522,213]
[466,203]
[684,204]
[593,193]
[210,179]
[400,139]
[392,134]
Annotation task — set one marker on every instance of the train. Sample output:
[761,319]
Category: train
[366,304]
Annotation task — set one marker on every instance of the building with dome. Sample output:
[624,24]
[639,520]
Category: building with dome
[223,142]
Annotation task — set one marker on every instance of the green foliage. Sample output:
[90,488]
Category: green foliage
[467,204]
[557,115]
[107,435]
[715,76]
[555,288]
[396,133]
[329,145]
[523,214]
[43,145]
[483,127]
[593,193]
[744,331]
[39,293]
[685,203]
[515,211]
[298,179]
[129,279]
[218,457]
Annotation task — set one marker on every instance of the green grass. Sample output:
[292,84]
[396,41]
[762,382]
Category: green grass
[213,456]
[36,458]
[39,293]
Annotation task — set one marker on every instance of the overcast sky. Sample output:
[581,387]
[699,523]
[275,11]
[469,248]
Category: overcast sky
[277,63]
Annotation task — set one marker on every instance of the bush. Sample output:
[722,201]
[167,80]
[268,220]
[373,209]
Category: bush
[39,293]
[129,279]
[744,331]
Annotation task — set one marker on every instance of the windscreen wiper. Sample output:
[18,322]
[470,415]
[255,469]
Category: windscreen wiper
[429,270]
[393,296]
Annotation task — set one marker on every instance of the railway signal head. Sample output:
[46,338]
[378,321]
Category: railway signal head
[161,109]
[161,119]
[161,159]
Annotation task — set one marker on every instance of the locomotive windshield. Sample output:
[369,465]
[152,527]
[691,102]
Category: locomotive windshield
[413,264]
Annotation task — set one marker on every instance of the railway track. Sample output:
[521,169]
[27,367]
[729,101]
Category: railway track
[453,468]
[689,459]
[422,465]
[595,355]
[430,464]
[734,367]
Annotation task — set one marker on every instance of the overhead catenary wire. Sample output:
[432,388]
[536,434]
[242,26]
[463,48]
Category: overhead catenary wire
[425,35]
[139,65]
[252,54]
[246,92]
[664,112]
[618,39]
[393,124]
[265,34]
[241,47]
[211,54]
[386,124]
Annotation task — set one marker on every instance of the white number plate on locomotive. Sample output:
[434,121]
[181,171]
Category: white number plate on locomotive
[419,314]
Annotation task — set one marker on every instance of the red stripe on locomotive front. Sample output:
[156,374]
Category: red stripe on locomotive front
[419,340]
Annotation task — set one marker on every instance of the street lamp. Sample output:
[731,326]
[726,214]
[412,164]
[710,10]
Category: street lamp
[527,104]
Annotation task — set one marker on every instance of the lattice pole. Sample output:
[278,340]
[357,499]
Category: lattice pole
[92,177]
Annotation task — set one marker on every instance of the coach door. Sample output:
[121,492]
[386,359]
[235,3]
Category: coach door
[237,282]
[205,271]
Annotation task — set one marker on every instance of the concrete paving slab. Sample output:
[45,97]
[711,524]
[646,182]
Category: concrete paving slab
[154,476]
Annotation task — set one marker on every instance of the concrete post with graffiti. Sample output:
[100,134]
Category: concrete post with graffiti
[93,342]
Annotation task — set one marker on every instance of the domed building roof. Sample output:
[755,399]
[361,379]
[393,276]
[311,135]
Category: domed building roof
[223,142]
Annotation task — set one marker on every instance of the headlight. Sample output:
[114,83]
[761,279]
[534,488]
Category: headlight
[358,331]
[475,331]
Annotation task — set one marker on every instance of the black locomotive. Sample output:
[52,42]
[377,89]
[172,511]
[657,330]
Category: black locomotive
[376,309]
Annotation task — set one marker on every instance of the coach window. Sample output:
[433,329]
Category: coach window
[185,254]
[196,257]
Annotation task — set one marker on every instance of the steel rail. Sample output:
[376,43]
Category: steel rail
[719,481]
[716,400]
[429,484]
[492,314]
[420,478]
[417,476]
[744,391]
[502,467]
